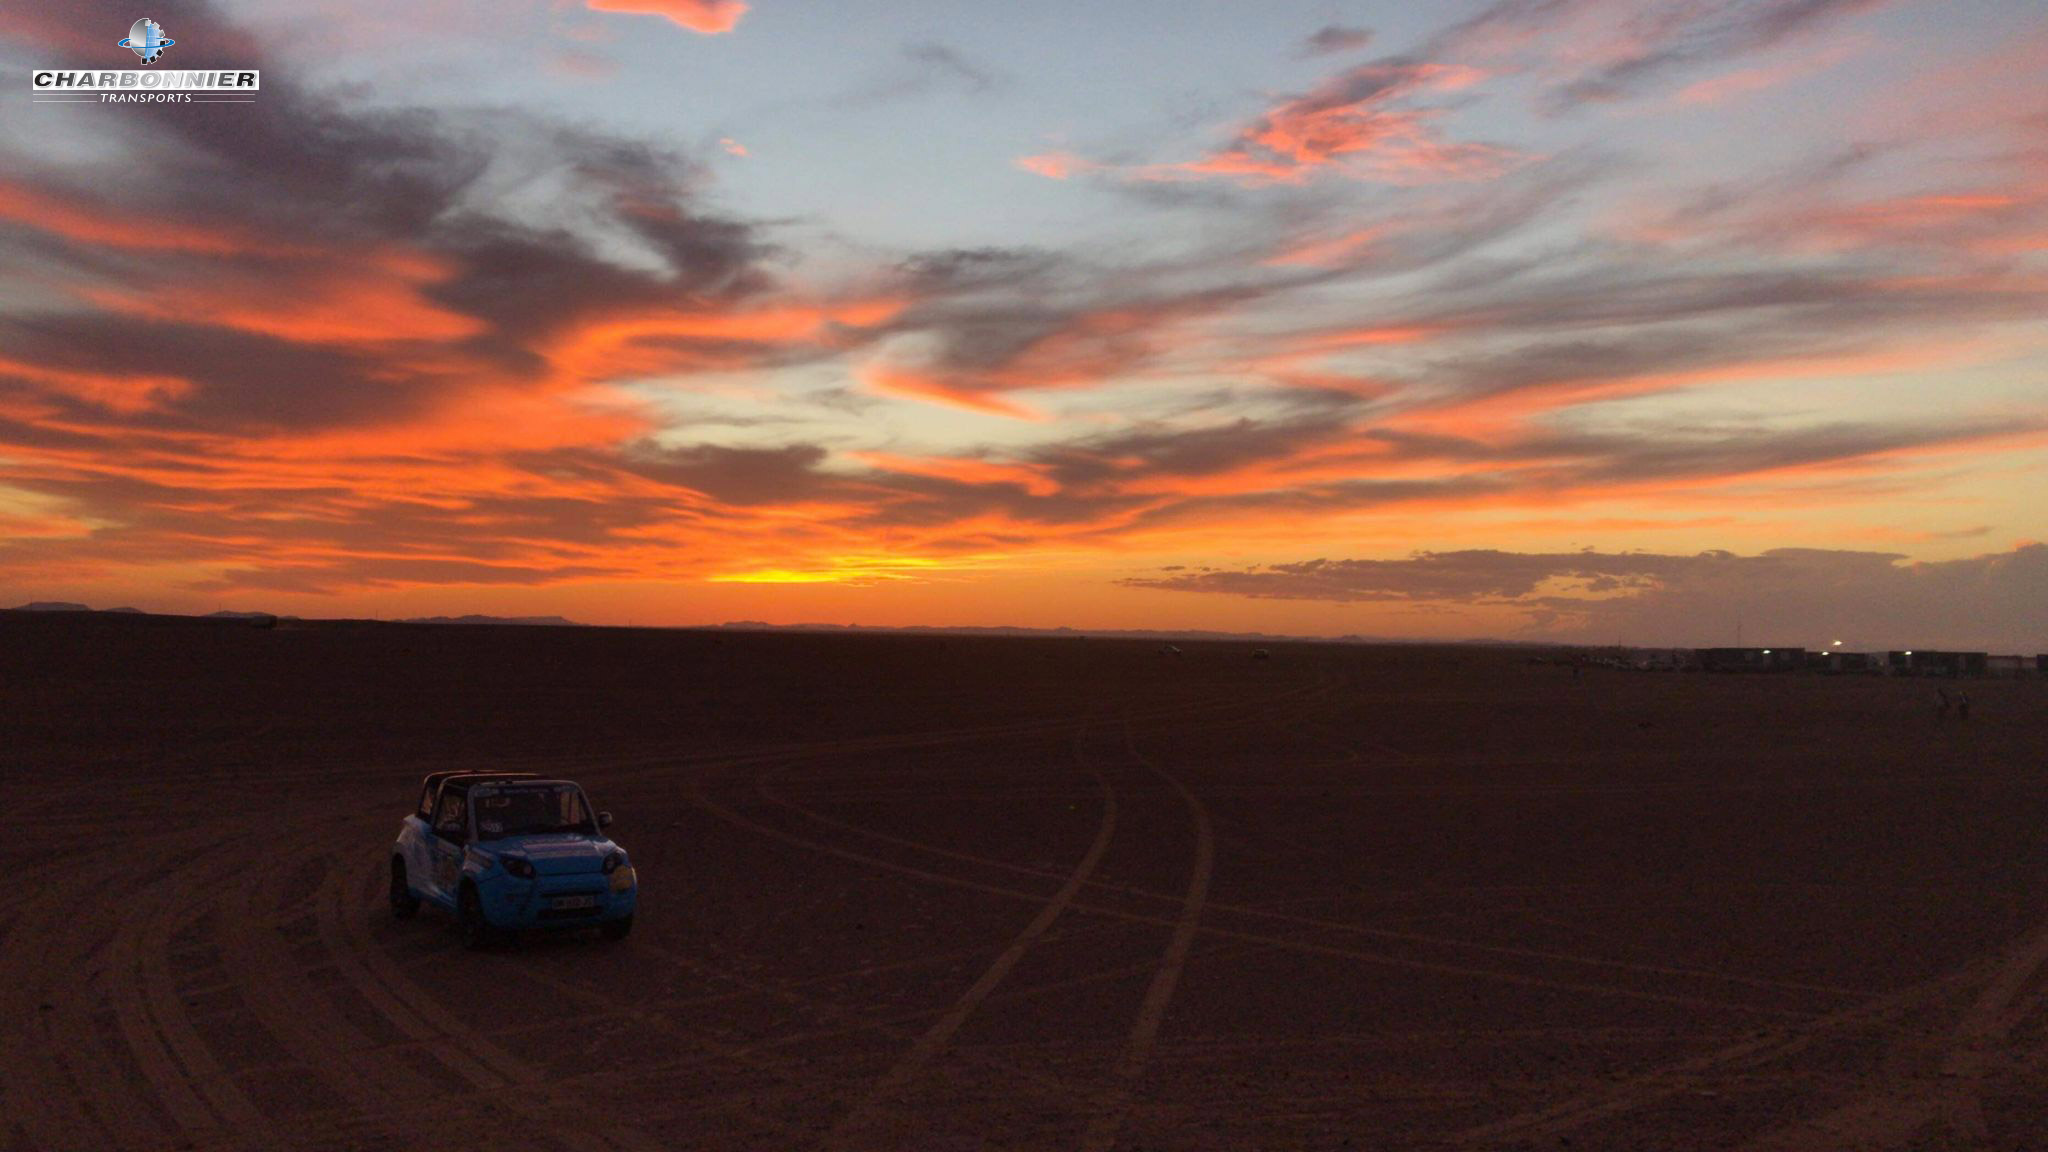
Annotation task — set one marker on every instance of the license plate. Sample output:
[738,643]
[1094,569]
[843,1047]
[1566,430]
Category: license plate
[573,902]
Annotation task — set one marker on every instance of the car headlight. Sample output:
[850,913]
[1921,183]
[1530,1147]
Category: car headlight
[623,879]
[517,866]
[614,861]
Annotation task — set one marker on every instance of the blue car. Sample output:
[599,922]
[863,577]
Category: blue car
[508,851]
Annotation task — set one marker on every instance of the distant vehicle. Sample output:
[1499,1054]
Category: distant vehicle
[506,851]
[1261,654]
[1169,650]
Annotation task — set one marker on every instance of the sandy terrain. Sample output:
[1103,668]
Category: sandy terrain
[935,894]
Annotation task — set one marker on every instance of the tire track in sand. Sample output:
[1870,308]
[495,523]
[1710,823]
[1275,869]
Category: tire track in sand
[710,1048]
[204,1101]
[1368,931]
[1894,1114]
[1469,971]
[380,1093]
[130,1118]
[46,1035]
[518,1086]
[1658,1085]
[1102,1130]
[862,1125]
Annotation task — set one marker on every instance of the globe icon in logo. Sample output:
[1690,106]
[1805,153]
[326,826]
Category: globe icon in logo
[147,40]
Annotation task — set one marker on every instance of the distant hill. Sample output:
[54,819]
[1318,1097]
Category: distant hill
[545,621]
[273,618]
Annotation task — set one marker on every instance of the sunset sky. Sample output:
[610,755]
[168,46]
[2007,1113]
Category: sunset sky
[1613,320]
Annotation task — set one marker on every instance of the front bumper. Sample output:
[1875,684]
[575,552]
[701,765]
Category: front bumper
[577,901]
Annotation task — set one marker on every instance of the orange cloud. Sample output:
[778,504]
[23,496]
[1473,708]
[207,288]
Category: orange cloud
[1052,165]
[964,469]
[1517,411]
[1324,251]
[1980,218]
[1343,338]
[932,386]
[1989,217]
[1743,81]
[93,224]
[1359,124]
[705,17]
[125,393]
[375,301]
[655,340]
[44,527]
[1042,350]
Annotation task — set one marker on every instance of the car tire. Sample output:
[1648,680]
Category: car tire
[617,929]
[477,933]
[404,905]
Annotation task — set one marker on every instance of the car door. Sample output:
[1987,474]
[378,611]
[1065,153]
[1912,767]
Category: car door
[445,847]
[414,839]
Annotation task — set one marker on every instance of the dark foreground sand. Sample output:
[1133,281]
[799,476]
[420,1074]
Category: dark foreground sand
[942,894]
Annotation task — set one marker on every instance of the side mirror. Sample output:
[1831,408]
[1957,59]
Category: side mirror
[604,819]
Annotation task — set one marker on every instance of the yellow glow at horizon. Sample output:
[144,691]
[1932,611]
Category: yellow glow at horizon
[856,570]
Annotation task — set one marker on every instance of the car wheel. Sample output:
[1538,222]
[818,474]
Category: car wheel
[404,905]
[617,929]
[469,914]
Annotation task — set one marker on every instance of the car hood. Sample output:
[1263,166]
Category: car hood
[558,855]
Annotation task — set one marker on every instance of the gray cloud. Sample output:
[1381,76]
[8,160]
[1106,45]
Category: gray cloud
[1466,577]
[740,476]
[1661,37]
[996,321]
[926,68]
[1332,39]
[1159,451]
[1791,596]
[1563,463]
[329,194]
[947,63]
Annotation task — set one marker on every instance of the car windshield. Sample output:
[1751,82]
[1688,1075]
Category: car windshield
[530,810]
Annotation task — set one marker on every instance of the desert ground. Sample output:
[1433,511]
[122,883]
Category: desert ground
[936,893]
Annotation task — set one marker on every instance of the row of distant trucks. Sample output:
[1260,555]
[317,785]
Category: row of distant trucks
[1911,662]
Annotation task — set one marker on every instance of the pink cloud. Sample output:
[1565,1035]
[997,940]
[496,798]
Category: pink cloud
[581,65]
[1590,52]
[1324,251]
[1743,81]
[705,17]
[936,387]
[1053,165]
[1359,124]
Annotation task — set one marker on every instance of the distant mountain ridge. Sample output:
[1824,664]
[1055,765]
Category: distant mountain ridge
[260,617]
[1162,635]
[538,621]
